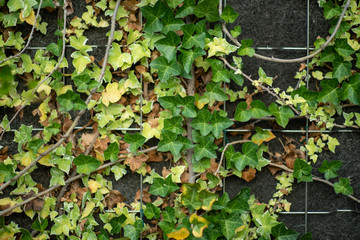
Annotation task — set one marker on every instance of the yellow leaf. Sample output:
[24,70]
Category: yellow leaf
[89,207]
[182,233]
[99,156]
[7,202]
[199,224]
[112,93]
[44,109]
[149,132]
[64,89]
[30,213]
[93,185]
[27,158]
[29,19]
[46,160]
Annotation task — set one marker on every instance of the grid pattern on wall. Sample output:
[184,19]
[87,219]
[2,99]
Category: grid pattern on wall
[302,221]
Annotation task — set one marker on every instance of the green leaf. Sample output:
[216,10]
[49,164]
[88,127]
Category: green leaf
[330,11]
[25,234]
[189,39]
[163,187]
[35,144]
[207,9]
[236,31]
[14,5]
[81,60]
[282,114]
[151,211]
[39,224]
[239,204]
[174,125]
[171,24]
[248,157]
[7,83]
[215,93]
[343,48]
[130,232]
[23,135]
[117,59]
[6,172]
[186,9]
[229,15]
[70,101]
[116,223]
[84,83]
[330,91]
[328,55]
[57,177]
[86,164]
[241,112]
[219,124]
[188,57]
[258,109]
[135,140]
[306,236]
[112,151]
[352,89]
[229,223]
[188,106]
[153,15]
[246,48]
[169,143]
[280,232]
[302,171]
[205,148]
[79,43]
[262,135]
[190,196]
[56,49]
[341,69]
[174,3]
[330,168]
[165,68]
[167,46]
[201,122]
[343,186]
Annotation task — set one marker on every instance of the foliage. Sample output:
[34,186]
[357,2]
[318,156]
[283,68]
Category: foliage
[167,77]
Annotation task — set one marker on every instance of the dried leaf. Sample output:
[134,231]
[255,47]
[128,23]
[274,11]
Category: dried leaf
[136,161]
[274,170]
[248,174]
[154,156]
[113,198]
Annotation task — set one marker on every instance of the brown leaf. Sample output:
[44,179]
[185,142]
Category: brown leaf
[213,165]
[248,174]
[302,67]
[274,170]
[67,123]
[154,156]
[136,161]
[36,204]
[112,198]
[184,177]
[82,224]
[86,139]
[165,172]
[145,196]
[130,5]
[69,7]
[101,144]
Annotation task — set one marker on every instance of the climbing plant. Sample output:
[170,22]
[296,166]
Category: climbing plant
[167,69]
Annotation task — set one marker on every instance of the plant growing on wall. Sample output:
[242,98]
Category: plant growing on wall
[167,76]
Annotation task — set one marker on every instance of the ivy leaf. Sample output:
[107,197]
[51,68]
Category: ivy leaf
[170,23]
[205,148]
[343,48]
[219,124]
[153,15]
[239,204]
[201,122]
[84,82]
[81,60]
[352,89]
[163,187]
[262,135]
[57,177]
[302,171]
[199,224]
[190,196]
[282,114]
[208,9]
[188,106]
[328,55]
[151,211]
[56,49]
[248,157]
[188,57]
[136,140]
[330,91]
[189,39]
[169,143]
[330,168]
[165,68]
[229,15]
[116,58]
[6,172]
[86,164]
[236,31]
[167,46]
[70,101]
[14,5]
[40,224]
[171,103]
[186,9]
[111,152]
[131,232]
[330,11]
[174,3]
[241,112]
[280,232]
[182,233]
[258,109]
[174,125]
[246,48]
[341,69]
[215,93]
[343,186]
[229,223]
[79,43]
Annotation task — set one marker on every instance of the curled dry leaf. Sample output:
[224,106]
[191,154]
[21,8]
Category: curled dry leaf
[136,161]
[145,196]
[274,170]
[165,172]
[69,7]
[113,198]
[36,204]
[155,156]
[248,174]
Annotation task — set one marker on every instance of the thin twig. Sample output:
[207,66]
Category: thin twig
[79,114]
[224,150]
[294,60]
[283,167]
[73,174]
[191,91]
[71,180]
[30,36]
